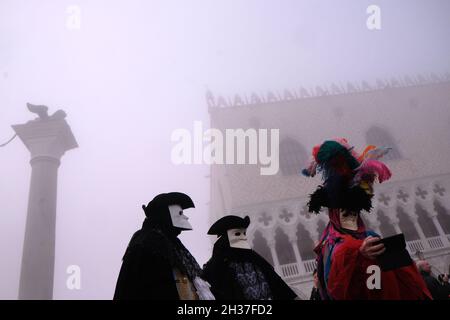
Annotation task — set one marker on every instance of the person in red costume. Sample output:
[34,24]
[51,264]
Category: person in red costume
[348,255]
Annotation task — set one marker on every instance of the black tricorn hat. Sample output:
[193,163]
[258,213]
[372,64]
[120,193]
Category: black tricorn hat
[164,200]
[226,223]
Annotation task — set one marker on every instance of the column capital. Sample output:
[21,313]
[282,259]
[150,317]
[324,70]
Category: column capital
[444,202]
[429,209]
[292,238]
[425,198]
[312,230]
[394,219]
[269,235]
[290,230]
[441,194]
[46,138]
[414,218]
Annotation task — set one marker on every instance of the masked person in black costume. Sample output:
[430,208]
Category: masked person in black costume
[235,271]
[156,265]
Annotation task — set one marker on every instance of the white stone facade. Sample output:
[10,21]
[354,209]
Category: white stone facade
[411,115]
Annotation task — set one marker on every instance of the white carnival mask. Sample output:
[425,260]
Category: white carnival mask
[179,220]
[238,238]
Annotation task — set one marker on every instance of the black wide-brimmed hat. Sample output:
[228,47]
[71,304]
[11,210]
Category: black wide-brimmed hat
[164,200]
[226,223]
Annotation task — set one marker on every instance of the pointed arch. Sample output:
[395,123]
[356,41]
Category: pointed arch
[406,225]
[443,217]
[293,157]
[261,247]
[385,225]
[305,243]
[283,247]
[382,138]
[428,227]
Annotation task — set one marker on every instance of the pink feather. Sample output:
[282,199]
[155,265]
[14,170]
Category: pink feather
[372,167]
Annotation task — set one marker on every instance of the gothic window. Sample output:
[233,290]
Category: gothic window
[385,225]
[426,224]
[283,247]
[261,247]
[406,225]
[382,138]
[443,218]
[305,243]
[293,157]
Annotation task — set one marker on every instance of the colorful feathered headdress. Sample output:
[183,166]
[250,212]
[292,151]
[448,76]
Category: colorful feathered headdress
[348,176]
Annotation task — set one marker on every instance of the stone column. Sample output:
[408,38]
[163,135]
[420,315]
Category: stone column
[426,202]
[419,230]
[423,198]
[298,258]
[406,201]
[312,228]
[270,238]
[289,223]
[442,196]
[395,223]
[441,232]
[387,203]
[47,139]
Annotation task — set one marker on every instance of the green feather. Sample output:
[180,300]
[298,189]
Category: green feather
[330,149]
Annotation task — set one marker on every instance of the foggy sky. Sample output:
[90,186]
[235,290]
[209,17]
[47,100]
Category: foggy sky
[137,70]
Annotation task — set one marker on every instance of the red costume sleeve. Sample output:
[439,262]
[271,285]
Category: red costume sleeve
[347,279]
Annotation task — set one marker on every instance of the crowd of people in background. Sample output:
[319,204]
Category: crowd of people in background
[439,287]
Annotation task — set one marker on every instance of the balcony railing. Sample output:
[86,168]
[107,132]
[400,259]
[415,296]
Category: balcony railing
[292,270]
[310,265]
[435,242]
[415,245]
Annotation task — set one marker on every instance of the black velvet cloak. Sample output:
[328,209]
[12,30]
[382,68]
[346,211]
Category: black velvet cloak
[224,286]
[146,271]
[148,263]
